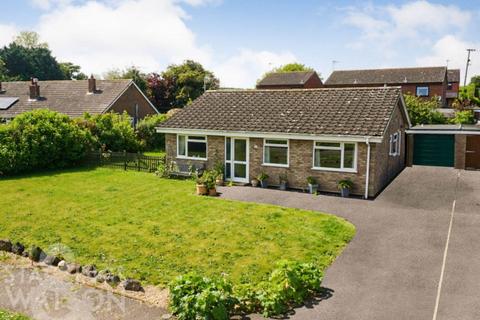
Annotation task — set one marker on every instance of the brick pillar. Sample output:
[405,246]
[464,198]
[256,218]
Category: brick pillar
[460,150]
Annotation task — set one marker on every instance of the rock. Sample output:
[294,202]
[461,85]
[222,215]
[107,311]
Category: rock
[36,254]
[100,278]
[51,260]
[18,248]
[5,245]
[166,316]
[25,254]
[113,280]
[62,265]
[90,271]
[132,285]
[73,268]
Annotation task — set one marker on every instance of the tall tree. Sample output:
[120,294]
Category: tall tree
[132,72]
[29,40]
[180,84]
[72,71]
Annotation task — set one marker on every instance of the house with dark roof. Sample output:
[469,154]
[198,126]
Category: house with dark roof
[329,134]
[424,82]
[453,85]
[290,80]
[74,97]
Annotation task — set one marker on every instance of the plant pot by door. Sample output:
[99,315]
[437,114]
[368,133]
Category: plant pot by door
[312,188]
[219,182]
[254,182]
[345,192]
[264,184]
[283,185]
[201,189]
[212,192]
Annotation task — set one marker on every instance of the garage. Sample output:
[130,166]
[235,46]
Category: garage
[434,150]
[444,146]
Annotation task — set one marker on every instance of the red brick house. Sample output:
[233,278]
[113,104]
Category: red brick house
[74,97]
[330,134]
[453,85]
[291,80]
[424,82]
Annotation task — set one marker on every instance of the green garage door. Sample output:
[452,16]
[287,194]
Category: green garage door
[434,150]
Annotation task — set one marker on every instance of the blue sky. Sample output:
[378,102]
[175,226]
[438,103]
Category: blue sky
[239,40]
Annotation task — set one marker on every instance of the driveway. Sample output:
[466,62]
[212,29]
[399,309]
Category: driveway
[397,266]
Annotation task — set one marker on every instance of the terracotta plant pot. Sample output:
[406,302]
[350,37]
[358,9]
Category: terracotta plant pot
[219,182]
[254,182]
[212,192]
[202,189]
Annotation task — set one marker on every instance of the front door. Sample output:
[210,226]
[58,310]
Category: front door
[472,156]
[236,159]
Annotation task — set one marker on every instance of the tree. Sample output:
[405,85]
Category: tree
[132,72]
[29,40]
[3,71]
[180,84]
[289,67]
[463,117]
[147,133]
[423,111]
[72,71]
[22,63]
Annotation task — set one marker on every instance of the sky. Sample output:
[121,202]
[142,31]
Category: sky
[239,40]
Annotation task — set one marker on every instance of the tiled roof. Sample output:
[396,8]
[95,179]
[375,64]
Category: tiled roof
[286,78]
[395,76]
[66,96]
[333,111]
[453,75]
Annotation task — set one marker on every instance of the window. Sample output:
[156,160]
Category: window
[395,144]
[335,156]
[422,92]
[192,147]
[275,152]
[450,86]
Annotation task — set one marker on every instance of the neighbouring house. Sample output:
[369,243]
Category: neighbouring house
[424,82]
[291,80]
[453,86]
[74,97]
[330,134]
[451,145]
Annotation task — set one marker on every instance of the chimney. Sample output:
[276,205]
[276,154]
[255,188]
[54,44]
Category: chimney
[92,85]
[34,89]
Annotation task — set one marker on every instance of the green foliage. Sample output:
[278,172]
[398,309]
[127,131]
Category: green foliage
[111,131]
[41,139]
[469,95]
[29,40]
[149,138]
[463,117]
[6,315]
[262,176]
[345,184]
[290,67]
[133,73]
[180,84]
[423,111]
[195,297]
[311,180]
[289,284]
[72,71]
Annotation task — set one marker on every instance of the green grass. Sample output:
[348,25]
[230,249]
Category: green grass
[155,229]
[159,153]
[6,315]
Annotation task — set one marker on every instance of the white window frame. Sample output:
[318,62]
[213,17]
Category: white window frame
[188,139]
[287,146]
[395,149]
[422,87]
[341,148]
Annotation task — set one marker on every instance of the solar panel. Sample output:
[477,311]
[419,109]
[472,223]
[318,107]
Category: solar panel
[7,102]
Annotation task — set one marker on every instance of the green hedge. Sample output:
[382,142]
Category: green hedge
[290,284]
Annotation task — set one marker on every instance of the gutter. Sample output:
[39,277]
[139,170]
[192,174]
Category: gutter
[367,171]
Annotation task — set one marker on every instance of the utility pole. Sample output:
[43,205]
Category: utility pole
[468,63]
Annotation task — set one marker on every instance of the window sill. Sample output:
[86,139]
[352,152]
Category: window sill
[191,158]
[335,170]
[275,165]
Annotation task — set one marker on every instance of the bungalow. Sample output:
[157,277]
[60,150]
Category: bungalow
[330,134]
[74,97]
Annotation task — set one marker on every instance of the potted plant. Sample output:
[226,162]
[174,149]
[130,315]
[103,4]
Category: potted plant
[312,185]
[283,181]
[210,179]
[262,177]
[219,173]
[201,186]
[345,186]
[254,182]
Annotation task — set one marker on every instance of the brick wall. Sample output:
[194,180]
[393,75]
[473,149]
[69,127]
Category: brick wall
[215,151]
[129,99]
[460,150]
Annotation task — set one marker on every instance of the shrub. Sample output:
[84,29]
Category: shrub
[41,139]
[463,117]
[111,131]
[146,133]
[195,297]
[423,111]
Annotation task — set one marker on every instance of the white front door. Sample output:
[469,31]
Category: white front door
[236,159]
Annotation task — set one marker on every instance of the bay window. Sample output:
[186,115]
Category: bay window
[335,156]
[275,152]
[192,147]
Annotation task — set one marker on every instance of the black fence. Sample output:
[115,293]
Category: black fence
[125,161]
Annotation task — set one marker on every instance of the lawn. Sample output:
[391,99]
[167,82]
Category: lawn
[154,229]
[6,315]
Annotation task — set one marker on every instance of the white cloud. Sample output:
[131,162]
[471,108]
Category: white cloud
[7,33]
[243,69]
[48,4]
[453,49]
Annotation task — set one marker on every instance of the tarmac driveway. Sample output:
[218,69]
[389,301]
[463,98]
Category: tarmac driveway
[416,253]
